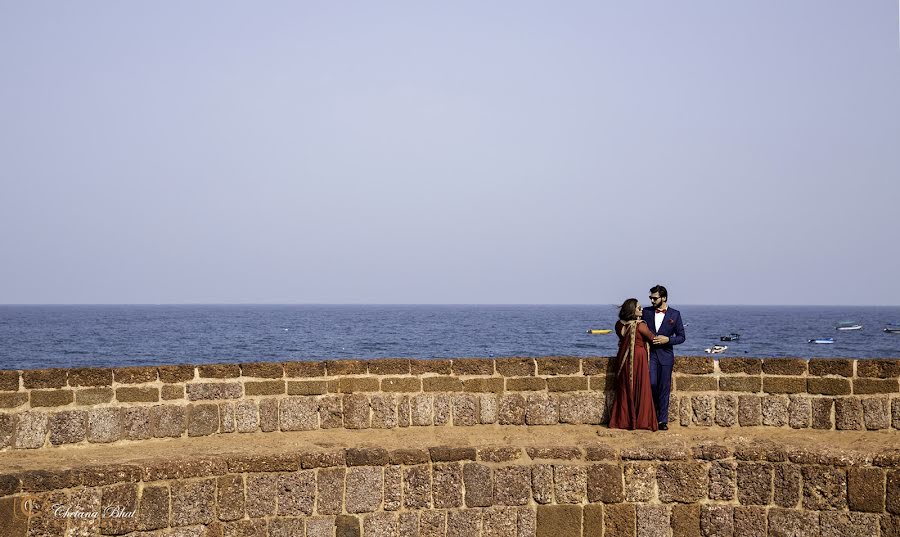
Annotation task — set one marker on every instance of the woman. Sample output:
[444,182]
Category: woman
[633,406]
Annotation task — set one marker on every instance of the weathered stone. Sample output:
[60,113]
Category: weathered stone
[685,520]
[604,483]
[330,491]
[541,409]
[331,415]
[717,521]
[384,411]
[381,525]
[639,482]
[442,409]
[499,522]
[417,487]
[865,489]
[168,421]
[526,384]
[356,411]
[702,410]
[884,369]
[821,413]
[393,488]
[13,400]
[298,414]
[619,520]
[685,412]
[570,484]
[9,381]
[828,386]
[478,485]
[749,410]
[554,453]
[409,456]
[401,384]
[88,500]
[433,524]
[296,493]
[203,419]
[848,413]
[567,384]
[750,522]
[93,396]
[895,413]
[366,456]
[876,413]
[465,409]
[44,398]
[175,373]
[824,488]
[104,425]
[344,526]
[890,526]
[120,499]
[44,378]
[421,410]
[512,485]
[892,499]
[726,410]
[323,459]
[582,408]
[784,385]
[740,384]
[652,520]
[135,375]
[749,366]
[193,502]
[512,410]
[786,485]
[137,395]
[307,387]
[68,427]
[871,386]
[722,480]
[7,430]
[515,367]
[365,489]
[784,366]
[403,416]
[683,482]
[542,483]
[488,409]
[527,521]
[483,385]
[558,520]
[214,390]
[799,408]
[262,490]
[754,483]
[500,454]
[442,384]
[831,366]
[230,497]
[463,523]
[843,524]
[774,411]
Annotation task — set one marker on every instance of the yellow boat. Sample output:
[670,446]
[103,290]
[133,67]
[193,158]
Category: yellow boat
[599,331]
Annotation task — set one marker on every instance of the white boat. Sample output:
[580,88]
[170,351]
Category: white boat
[848,325]
[822,340]
[892,329]
[716,349]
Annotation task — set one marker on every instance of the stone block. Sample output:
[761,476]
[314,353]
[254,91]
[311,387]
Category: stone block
[297,492]
[472,366]
[44,378]
[512,485]
[541,409]
[558,520]
[307,387]
[442,384]
[862,386]
[799,412]
[381,525]
[558,365]
[683,482]
[695,384]
[784,366]
[512,410]
[393,488]
[478,485]
[446,485]
[784,385]
[9,381]
[168,421]
[821,413]
[87,376]
[202,419]
[421,408]
[268,370]
[389,366]
[119,499]
[433,524]
[442,409]
[605,483]
[135,375]
[848,414]
[882,369]
[239,528]
[876,413]
[104,425]
[542,483]
[87,500]
[749,366]
[364,489]
[175,373]
[499,522]
[483,385]
[844,524]
[754,483]
[264,387]
[137,394]
[581,408]
[702,410]
[750,522]
[299,414]
[488,409]
[422,367]
[619,520]
[450,454]
[515,367]
[261,492]
[366,456]
[722,480]
[786,485]
[749,410]
[652,520]
[68,427]
[866,489]
[409,456]
[685,520]
[740,384]
[214,390]
[401,384]
[570,484]
[230,497]
[824,488]
[790,522]
[193,502]
[7,431]
[775,411]
[828,386]
[356,411]
[403,415]
[171,392]
[639,482]
[246,416]
[567,384]
[384,411]
[153,509]
[331,415]
[895,413]
[417,487]
[717,520]
[499,454]
[726,410]
[465,409]
[464,523]
[304,369]
[357,385]
[694,365]
[526,384]
[219,371]
[344,526]
[831,366]
[330,487]
[45,398]
[13,400]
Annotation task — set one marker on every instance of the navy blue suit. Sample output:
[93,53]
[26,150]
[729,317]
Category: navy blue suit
[662,357]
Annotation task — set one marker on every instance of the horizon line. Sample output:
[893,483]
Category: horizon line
[415,304]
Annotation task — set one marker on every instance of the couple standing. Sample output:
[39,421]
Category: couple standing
[644,362]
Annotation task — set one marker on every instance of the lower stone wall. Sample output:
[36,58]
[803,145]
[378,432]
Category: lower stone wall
[707,490]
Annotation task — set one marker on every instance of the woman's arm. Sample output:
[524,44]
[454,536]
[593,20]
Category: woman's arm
[645,331]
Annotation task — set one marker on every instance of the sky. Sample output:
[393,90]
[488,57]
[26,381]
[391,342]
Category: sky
[449,152]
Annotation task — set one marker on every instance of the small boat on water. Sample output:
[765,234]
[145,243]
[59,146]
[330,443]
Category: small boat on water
[595,332]
[892,329]
[848,325]
[730,337]
[822,340]
[716,349]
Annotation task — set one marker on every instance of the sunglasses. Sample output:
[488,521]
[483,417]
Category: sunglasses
[654,297]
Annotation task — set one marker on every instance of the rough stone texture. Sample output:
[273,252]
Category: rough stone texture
[684,411]
[799,409]
[296,493]
[89,500]
[330,491]
[726,410]
[384,412]
[892,500]
[512,485]
[447,482]
[365,489]
[136,423]
[619,520]
[175,373]
[527,522]
[754,483]
[652,520]
[828,386]
[784,384]
[824,488]
[581,408]
[570,484]
[47,398]
[93,396]
[895,413]
[685,520]
[830,366]
[515,367]
[9,380]
[442,409]
[786,485]
[558,520]
[683,482]
[639,482]
[542,483]
[262,489]
[750,522]
[740,384]
[463,523]
[884,369]
[749,410]
[433,524]
[68,427]
[844,524]
[417,487]
[890,526]
[307,387]
[344,526]
[876,413]
[409,524]
[403,415]
[203,419]
[749,366]
[775,411]
[488,409]
[865,489]
[323,459]
[304,369]
[246,417]
[784,366]
[104,425]
[122,496]
[541,409]
[230,497]
[331,415]
[7,430]
[791,523]
[722,480]
[393,488]
[478,485]
[356,411]
[702,410]
[604,483]
[193,502]
[848,413]
[13,400]
[821,413]
[465,409]
[717,521]
[213,390]
[44,378]
[512,410]
[421,410]
[499,522]
[168,421]
[381,525]
[298,414]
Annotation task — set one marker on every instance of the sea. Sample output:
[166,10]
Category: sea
[34,337]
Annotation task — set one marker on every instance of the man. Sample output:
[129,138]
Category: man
[668,330]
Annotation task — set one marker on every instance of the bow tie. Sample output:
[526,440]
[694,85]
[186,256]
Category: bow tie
[660,311]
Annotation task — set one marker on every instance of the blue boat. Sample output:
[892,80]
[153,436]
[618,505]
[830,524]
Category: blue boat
[822,340]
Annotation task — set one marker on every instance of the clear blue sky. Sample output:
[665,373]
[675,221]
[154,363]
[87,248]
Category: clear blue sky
[449,152]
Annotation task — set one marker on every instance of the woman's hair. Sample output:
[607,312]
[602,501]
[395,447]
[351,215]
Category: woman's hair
[626,312]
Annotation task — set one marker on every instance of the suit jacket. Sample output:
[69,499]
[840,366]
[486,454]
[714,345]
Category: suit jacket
[672,327]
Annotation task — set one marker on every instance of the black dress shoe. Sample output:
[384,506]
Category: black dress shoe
[663,426]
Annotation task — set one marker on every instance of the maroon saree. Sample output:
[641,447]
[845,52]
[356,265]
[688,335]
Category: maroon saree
[633,405]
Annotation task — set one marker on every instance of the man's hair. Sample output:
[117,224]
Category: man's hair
[661,290]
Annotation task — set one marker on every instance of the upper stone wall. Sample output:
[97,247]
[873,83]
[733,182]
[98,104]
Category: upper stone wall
[50,407]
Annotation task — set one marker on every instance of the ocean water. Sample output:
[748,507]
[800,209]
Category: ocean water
[103,336]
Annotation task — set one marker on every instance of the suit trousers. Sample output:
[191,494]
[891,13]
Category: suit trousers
[661,385]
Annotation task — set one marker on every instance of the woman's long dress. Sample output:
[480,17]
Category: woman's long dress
[633,405]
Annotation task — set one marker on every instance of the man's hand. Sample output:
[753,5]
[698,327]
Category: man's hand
[660,340]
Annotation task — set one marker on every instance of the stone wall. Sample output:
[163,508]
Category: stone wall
[706,490]
[52,407]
